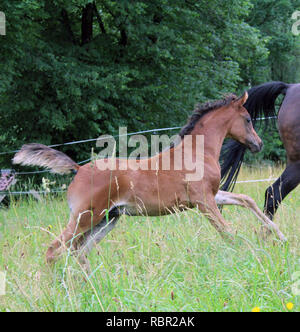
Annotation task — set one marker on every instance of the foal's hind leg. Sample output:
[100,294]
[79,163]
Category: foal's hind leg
[225,198]
[62,242]
[70,237]
[276,193]
[94,236]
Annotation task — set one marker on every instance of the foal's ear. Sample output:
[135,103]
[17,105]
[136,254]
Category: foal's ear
[242,100]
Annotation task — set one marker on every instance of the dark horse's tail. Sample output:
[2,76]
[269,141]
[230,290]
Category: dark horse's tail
[261,103]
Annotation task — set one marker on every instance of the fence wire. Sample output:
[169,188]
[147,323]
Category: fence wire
[87,160]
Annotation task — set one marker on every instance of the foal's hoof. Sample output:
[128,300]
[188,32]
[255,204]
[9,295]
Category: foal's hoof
[85,264]
[280,241]
[265,232]
[50,256]
[282,238]
[50,260]
[229,236]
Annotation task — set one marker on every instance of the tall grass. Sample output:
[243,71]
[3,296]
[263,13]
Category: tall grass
[173,263]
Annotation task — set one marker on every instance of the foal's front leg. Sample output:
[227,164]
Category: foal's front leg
[226,198]
[209,207]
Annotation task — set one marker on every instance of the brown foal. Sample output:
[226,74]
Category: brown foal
[98,197]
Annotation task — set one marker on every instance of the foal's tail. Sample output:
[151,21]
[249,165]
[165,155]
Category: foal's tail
[43,156]
[260,104]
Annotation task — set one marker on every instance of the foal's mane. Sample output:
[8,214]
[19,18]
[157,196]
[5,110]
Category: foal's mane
[202,109]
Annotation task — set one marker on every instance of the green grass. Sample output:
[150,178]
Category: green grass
[174,263]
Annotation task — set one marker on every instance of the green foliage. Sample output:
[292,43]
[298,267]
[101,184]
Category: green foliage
[273,150]
[74,70]
[141,64]
[273,18]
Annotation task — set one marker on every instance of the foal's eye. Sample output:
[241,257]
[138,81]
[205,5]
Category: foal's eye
[248,120]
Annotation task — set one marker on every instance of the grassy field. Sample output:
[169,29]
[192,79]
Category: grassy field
[174,263]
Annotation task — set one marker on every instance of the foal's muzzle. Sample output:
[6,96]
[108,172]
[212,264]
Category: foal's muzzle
[255,147]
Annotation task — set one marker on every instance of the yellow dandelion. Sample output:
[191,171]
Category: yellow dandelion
[256,309]
[290,306]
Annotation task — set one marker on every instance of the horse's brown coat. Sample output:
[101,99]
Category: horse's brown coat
[157,192]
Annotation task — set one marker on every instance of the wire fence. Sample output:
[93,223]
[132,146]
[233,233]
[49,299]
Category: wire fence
[116,136]
[99,139]
[256,181]
[45,192]
[87,160]
[32,192]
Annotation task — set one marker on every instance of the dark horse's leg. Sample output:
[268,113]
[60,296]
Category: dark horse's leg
[276,193]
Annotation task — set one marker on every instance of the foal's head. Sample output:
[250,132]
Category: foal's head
[229,114]
[241,128]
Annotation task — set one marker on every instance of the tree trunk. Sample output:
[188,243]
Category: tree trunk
[101,25]
[87,23]
[67,24]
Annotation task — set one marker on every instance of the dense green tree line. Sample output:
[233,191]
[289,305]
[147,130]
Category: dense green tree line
[77,69]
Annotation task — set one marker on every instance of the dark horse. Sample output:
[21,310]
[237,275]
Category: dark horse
[261,103]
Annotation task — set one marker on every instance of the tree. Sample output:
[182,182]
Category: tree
[274,20]
[74,70]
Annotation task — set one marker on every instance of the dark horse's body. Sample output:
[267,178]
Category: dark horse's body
[261,103]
